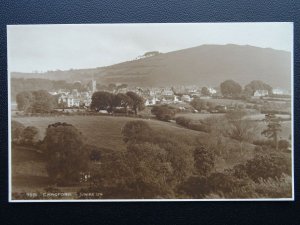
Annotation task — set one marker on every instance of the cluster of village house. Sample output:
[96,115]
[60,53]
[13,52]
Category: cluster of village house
[76,98]
[152,96]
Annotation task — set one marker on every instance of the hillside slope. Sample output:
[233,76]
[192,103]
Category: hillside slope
[206,65]
[202,65]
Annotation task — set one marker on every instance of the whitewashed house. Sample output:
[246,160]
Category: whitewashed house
[212,90]
[151,101]
[279,91]
[261,93]
[176,99]
[69,100]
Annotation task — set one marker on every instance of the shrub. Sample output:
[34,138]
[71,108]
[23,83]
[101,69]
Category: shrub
[264,166]
[163,112]
[194,187]
[66,154]
[136,131]
[274,188]
[95,155]
[283,144]
[198,104]
[183,121]
[217,184]
[198,125]
[263,188]
[204,160]
[30,135]
[17,129]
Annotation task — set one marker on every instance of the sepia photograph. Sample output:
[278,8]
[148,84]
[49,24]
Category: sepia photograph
[151,112]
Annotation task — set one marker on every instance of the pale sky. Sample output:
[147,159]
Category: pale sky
[52,47]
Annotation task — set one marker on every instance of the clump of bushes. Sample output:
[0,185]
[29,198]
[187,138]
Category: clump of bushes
[29,136]
[198,125]
[164,112]
[204,160]
[136,131]
[217,184]
[263,166]
[284,145]
[264,145]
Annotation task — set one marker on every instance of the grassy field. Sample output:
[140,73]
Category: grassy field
[224,101]
[103,131]
[198,116]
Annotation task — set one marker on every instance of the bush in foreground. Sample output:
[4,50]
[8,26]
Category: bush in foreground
[65,152]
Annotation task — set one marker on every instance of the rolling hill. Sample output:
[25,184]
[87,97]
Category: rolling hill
[202,65]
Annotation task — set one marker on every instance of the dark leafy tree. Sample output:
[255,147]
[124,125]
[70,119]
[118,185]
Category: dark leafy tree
[198,104]
[43,102]
[36,101]
[142,171]
[163,112]
[24,100]
[30,135]
[215,183]
[204,160]
[65,153]
[284,144]
[151,167]
[17,129]
[102,100]
[95,155]
[205,91]
[138,102]
[271,165]
[112,87]
[256,85]
[122,100]
[230,88]
[77,85]
[136,131]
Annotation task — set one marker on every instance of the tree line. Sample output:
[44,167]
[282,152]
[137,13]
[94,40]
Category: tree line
[36,101]
[233,89]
